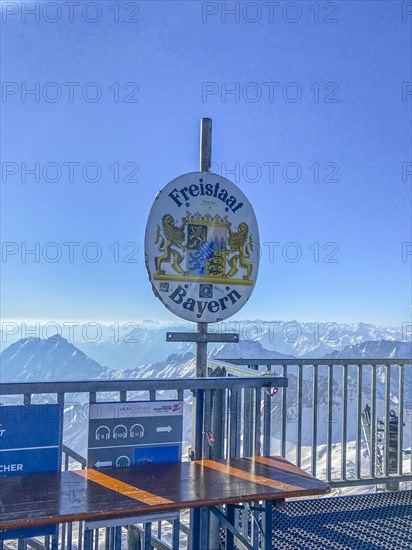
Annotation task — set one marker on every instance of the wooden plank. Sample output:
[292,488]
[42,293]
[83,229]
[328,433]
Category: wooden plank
[47,499]
[279,462]
[124,488]
[260,476]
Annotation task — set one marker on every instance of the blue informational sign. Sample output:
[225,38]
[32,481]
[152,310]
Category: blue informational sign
[156,455]
[29,443]
[130,433]
[29,439]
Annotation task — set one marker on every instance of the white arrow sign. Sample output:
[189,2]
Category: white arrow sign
[164,429]
[103,464]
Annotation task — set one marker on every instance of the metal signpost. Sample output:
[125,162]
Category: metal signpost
[202,253]
[133,433]
[202,256]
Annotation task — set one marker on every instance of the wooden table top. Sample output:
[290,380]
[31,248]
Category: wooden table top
[46,499]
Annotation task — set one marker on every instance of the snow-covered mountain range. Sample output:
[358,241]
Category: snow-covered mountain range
[56,359]
[127,345]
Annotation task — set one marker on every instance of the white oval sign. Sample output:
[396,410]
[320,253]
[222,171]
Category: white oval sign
[202,247]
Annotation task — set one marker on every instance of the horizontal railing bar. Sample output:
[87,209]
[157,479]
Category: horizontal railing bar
[69,452]
[311,362]
[33,543]
[370,480]
[241,371]
[147,384]
[130,520]
[226,337]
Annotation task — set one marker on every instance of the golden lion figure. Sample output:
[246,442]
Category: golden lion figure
[240,246]
[174,237]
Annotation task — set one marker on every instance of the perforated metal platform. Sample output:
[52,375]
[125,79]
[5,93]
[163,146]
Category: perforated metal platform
[359,522]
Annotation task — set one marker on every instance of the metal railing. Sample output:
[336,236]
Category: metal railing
[219,403]
[316,421]
[308,410]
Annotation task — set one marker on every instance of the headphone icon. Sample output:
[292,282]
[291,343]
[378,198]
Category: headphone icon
[102,432]
[123,461]
[120,433]
[137,430]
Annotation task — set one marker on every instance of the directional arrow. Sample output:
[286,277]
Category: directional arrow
[103,464]
[164,429]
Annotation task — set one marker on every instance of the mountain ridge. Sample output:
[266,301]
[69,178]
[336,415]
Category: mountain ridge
[56,359]
[52,359]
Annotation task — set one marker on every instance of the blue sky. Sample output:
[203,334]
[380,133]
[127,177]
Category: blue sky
[338,105]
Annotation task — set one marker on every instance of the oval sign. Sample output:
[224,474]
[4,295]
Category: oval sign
[202,247]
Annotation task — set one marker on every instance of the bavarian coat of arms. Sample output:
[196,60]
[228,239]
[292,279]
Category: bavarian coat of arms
[203,249]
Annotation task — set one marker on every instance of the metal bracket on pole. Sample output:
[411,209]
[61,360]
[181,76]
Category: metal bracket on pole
[225,337]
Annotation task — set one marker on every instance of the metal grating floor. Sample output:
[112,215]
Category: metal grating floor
[359,522]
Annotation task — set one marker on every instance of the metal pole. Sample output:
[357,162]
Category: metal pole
[201,344]
[201,347]
[205,144]
[205,164]
[201,350]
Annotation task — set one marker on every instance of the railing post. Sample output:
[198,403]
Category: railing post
[257,401]
[248,423]
[218,425]
[314,418]
[400,417]
[283,420]
[329,430]
[374,432]
[299,415]
[359,421]
[344,419]
[207,425]
[133,538]
[267,402]
[197,417]
[386,463]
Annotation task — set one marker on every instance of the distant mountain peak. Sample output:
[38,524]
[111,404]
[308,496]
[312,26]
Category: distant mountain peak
[247,350]
[374,349]
[57,338]
[52,359]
